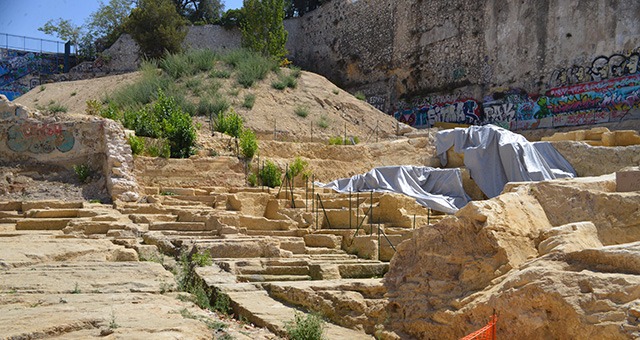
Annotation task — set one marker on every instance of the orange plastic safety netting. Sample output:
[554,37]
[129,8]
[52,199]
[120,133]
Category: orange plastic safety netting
[487,332]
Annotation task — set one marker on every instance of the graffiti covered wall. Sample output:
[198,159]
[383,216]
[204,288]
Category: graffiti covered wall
[21,71]
[607,100]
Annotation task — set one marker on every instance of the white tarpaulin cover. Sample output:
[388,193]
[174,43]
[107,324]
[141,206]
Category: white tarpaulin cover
[495,156]
[438,189]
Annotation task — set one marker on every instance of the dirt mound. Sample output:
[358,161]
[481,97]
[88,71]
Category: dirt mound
[326,110]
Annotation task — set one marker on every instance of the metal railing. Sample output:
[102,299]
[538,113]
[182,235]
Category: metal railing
[29,44]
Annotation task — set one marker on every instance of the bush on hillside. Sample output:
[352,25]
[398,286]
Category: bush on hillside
[270,175]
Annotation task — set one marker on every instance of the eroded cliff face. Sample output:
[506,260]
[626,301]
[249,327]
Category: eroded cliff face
[555,259]
[407,52]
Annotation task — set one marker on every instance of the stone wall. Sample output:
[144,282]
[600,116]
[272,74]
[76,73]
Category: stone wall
[519,65]
[123,56]
[66,141]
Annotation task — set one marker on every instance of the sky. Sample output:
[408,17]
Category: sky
[21,18]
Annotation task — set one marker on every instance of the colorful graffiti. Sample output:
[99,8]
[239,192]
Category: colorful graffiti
[584,104]
[601,68]
[464,111]
[15,65]
[39,138]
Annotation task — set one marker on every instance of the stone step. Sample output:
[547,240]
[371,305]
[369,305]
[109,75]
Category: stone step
[179,226]
[11,214]
[274,270]
[94,227]
[323,240]
[325,257]
[260,309]
[278,233]
[52,213]
[324,251]
[363,270]
[10,205]
[149,218]
[42,223]
[52,205]
[267,278]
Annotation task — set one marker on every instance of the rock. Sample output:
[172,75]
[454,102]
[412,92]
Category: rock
[569,238]
[124,255]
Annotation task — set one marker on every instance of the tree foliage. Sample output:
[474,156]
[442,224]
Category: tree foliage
[156,27]
[107,23]
[64,29]
[199,11]
[297,8]
[263,27]
[100,31]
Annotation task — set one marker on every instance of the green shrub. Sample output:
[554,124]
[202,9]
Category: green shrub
[270,175]
[83,172]
[234,57]
[177,65]
[158,148]
[222,303]
[335,140]
[323,122]
[220,74]
[93,107]
[295,71]
[137,144]
[360,95]
[301,111]
[220,104]
[180,132]
[54,107]
[339,140]
[309,327]
[202,59]
[253,68]
[248,143]
[194,84]
[142,92]
[252,179]
[230,123]
[284,81]
[296,167]
[249,100]
[201,259]
[111,112]
[234,92]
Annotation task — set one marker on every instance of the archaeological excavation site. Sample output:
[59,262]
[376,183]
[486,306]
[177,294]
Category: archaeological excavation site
[414,170]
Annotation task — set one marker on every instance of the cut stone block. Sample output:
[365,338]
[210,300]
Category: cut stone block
[627,181]
[323,240]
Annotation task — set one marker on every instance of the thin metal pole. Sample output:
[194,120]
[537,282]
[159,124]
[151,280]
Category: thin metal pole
[306,194]
[379,239]
[350,209]
[429,216]
[358,206]
[414,221]
[371,215]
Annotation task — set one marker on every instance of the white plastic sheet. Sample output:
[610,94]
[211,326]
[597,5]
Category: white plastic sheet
[495,156]
[438,189]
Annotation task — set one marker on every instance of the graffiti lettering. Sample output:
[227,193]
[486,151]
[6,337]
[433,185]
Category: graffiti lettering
[377,102]
[461,112]
[39,138]
[494,113]
[601,68]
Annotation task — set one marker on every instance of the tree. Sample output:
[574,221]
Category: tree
[232,18]
[199,11]
[263,28]
[297,8]
[156,27]
[63,29]
[107,23]
[103,28]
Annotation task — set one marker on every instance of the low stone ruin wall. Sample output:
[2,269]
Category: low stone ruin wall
[66,141]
